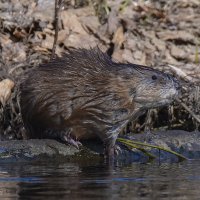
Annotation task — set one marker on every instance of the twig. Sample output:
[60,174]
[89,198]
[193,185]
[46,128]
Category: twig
[133,143]
[130,147]
[58,4]
[180,73]
[189,111]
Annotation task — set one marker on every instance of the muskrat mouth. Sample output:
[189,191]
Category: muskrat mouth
[143,103]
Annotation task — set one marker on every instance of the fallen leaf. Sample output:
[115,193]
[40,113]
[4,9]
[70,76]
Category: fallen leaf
[160,44]
[90,23]
[6,86]
[118,38]
[14,52]
[62,35]
[5,39]
[19,33]
[178,53]
[128,56]
[80,41]
[70,21]
[169,59]
[44,11]
[180,36]
[48,42]
[117,55]
[113,22]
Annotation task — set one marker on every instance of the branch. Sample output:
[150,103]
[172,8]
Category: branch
[180,73]
[58,4]
[189,111]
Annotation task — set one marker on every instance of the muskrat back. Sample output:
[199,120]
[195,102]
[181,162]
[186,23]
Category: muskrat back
[85,94]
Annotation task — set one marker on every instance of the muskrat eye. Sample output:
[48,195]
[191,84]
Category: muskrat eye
[154,77]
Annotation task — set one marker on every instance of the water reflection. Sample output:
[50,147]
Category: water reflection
[87,181]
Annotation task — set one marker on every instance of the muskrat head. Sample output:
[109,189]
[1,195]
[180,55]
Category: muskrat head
[154,88]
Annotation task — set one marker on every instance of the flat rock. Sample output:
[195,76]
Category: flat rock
[182,142]
[185,143]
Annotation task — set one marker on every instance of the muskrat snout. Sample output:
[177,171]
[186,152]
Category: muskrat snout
[175,81]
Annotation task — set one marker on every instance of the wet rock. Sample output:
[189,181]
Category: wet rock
[51,150]
[185,143]
[34,150]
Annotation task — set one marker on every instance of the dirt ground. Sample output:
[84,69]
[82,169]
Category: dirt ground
[158,33]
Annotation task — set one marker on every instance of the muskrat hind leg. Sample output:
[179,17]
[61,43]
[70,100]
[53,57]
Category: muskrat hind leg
[111,149]
[67,137]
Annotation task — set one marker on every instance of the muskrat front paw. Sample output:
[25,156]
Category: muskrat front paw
[67,138]
[71,141]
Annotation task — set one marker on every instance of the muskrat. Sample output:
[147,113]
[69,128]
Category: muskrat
[84,94]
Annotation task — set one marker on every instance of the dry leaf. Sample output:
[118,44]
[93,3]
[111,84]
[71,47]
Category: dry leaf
[118,38]
[6,86]
[14,52]
[62,35]
[48,42]
[178,53]
[181,36]
[71,22]
[117,55]
[128,56]
[44,11]
[80,41]
[113,22]
[90,23]
[19,33]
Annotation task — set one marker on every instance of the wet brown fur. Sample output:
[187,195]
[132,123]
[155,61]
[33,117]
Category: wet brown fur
[87,94]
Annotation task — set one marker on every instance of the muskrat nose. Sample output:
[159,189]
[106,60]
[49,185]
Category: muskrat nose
[175,81]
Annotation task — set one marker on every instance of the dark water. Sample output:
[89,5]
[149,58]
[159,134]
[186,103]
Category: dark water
[98,181]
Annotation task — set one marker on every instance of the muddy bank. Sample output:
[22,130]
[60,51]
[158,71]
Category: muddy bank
[185,143]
